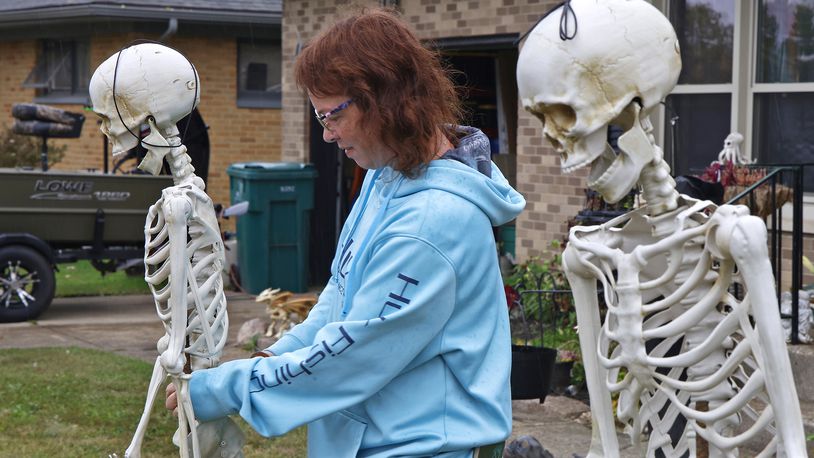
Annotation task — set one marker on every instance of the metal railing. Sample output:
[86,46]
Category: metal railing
[791,176]
[542,298]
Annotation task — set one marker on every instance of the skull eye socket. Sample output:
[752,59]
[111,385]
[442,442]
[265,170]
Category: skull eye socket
[538,115]
[562,115]
[105,127]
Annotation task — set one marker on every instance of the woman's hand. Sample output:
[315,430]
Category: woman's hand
[171,403]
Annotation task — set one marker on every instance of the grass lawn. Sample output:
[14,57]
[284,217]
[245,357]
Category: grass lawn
[73,402]
[81,279]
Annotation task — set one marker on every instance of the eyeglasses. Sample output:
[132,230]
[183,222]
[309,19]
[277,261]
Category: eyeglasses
[324,118]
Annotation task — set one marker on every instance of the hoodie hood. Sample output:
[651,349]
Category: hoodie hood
[473,150]
[468,172]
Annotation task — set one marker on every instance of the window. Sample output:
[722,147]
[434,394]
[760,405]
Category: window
[62,72]
[259,74]
[702,101]
[748,67]
[783,124]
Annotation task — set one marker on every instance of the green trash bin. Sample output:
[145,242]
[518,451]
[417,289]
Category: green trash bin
[273,236]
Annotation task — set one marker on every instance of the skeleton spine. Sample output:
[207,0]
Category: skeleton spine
[181,164]
[658,187]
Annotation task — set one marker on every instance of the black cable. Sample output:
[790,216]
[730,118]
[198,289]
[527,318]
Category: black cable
[567,10]
[116,105]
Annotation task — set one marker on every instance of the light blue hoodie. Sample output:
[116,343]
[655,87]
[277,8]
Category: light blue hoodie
[407,352]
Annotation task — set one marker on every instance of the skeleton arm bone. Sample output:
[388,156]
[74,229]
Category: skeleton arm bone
[603,441]
[176,210]
[156,380]
[746,240]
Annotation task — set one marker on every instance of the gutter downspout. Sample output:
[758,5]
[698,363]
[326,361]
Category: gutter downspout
[172,27]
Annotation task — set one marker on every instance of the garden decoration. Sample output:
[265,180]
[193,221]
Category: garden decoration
[688,360]
[285,309]
[735,179]
[732,150]
[183,253]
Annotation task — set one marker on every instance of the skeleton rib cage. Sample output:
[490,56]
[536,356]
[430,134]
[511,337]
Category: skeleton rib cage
[681,351]
[207,320]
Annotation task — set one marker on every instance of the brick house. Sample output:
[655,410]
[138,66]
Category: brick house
[723,42]
[747,80]
[49,49]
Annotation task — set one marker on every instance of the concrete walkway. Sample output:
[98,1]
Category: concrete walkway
[128,325]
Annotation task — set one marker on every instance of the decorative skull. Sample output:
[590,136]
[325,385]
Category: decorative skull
[622,61]
[154,85]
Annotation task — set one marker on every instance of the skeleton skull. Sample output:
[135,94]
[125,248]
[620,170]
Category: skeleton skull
[155,86]
[624,53]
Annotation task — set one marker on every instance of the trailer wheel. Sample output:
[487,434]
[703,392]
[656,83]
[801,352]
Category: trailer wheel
[27,283]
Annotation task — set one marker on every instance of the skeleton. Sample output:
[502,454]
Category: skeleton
[684,355]
[183,256]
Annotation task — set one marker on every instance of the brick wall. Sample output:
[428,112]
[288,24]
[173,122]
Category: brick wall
[552,198]
[17,58]
[235,134]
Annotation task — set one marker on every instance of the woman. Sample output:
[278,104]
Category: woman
[407,352]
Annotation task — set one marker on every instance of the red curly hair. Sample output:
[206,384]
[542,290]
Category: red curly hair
[403,90]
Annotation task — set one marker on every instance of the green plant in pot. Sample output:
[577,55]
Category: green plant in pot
[543,333]
[532,367]
[568,369]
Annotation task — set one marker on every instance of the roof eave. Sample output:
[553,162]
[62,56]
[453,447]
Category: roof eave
[61,13]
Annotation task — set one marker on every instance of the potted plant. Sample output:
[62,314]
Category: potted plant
[535,295]
[568,369]
[532,364]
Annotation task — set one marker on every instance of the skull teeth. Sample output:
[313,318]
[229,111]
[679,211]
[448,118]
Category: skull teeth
[610,163]
[575,167]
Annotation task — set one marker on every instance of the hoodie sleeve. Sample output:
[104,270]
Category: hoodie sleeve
[404,300]
[302,335]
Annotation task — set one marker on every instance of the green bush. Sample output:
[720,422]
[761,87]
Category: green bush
[24,151]
[554,305]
